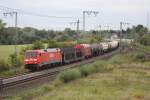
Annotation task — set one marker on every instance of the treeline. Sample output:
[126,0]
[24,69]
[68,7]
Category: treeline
[28,35]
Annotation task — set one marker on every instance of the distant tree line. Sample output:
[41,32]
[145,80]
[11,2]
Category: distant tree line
[28,35]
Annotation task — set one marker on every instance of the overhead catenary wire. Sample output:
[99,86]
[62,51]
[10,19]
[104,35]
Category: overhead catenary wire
[3,8]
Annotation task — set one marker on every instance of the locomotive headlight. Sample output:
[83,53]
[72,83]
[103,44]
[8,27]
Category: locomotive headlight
[26,60]
[34,59]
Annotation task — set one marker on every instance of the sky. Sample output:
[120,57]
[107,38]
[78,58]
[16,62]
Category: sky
[111,13]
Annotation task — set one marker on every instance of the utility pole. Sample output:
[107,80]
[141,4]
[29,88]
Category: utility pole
[84,21]
[88,13]
[16,22]
[100,30]
[148,21]
[121,35]
[77,27]
[76,23]
[107,31]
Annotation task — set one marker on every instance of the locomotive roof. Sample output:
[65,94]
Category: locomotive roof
[34,51]
[53,49]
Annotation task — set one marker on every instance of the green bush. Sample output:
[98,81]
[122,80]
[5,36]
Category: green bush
[93,68]
[69,75]
[4,65]
[145,40]
[100,66]
[139,57]
[83,71]
[52,44]
[38,45]
[15,60]
[86,70]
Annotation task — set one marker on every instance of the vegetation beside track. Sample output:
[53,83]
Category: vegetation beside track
[115,79]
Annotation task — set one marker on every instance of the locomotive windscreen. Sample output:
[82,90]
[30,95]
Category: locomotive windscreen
[31,54]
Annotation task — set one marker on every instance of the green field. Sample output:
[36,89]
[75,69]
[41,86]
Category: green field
[6,50]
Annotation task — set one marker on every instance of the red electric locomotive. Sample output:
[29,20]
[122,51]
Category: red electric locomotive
[37,59]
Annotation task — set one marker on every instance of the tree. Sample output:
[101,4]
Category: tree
[2,26]
[141,30]
[52,44]
[145,40]
[38,45]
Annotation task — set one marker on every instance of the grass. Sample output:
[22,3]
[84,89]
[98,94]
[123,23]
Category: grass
[6,50]
[13,71]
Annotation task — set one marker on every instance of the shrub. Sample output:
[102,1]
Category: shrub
[140,57]
[15,60]
[94,68]
[38,45]
[52,44]
[145,40]
[3,65]
[69,75]
[24,49]
[86,70]
[101,66]
[83,71]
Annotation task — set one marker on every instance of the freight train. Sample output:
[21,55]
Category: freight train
[51,57]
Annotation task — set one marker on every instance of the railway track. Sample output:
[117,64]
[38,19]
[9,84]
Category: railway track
[13,85]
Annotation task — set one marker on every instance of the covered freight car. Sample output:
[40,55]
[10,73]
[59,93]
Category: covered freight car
[68,55]
[96,50]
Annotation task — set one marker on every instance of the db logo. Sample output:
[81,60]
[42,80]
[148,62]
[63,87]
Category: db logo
[51,55]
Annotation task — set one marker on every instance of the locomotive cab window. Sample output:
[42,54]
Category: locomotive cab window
[31,54]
